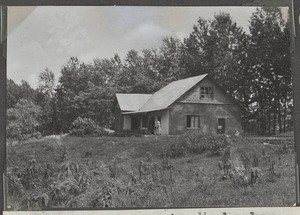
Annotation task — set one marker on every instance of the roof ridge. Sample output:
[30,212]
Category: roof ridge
[205,74]
[135,93]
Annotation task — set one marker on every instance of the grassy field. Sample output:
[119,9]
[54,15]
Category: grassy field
[153,171]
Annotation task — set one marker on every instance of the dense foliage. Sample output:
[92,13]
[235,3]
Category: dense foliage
[23,120]
[113,172]
[253,67]
[85,126]
[197,143]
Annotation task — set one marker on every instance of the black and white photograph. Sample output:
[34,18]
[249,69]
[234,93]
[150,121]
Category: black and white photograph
[125,107]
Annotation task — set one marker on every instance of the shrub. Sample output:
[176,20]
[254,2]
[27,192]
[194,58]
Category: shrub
[176,148]
[197,143]
[85,126]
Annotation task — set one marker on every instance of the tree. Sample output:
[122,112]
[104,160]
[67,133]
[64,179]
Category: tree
[95,103]
[23,120]
[135,76]
[47,82]
[197,51]
[270,66]
[73,79]
[46,99]
[214,47]
[171,56]
[85,90]
[13,93]
[106,72]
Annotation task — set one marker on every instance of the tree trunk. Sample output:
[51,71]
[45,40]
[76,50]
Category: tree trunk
[279,115]
[263,122]
[274,117]
[269,117]
[285,115]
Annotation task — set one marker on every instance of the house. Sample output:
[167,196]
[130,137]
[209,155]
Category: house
[192,103]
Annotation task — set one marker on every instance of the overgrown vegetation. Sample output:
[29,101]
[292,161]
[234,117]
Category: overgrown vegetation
[77,172]
[85,126]
[196,143]
[23,121]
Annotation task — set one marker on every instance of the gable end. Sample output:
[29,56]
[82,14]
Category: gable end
[220,96]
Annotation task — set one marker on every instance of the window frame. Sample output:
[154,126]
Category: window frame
[204,91]
[190,119]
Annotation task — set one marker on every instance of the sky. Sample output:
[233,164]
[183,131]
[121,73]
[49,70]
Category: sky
[47,36]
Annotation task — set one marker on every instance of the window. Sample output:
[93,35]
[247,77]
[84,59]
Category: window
[193,121]
[221,126]
[206,93]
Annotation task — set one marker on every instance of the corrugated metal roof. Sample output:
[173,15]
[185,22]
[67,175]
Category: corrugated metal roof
[170,93]
[132,102]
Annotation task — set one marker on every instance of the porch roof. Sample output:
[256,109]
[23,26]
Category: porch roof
[131,102]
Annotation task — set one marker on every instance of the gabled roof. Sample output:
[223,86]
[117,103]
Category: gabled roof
[170,93]
[131,102]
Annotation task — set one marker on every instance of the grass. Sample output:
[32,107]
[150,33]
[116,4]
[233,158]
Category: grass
[76,172]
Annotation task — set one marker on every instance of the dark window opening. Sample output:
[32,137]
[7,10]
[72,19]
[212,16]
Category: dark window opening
[206,93]
[221,126]
[193,121]
[134,122]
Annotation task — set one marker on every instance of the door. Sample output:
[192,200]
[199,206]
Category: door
[151,124]
[134,122]
[221,126]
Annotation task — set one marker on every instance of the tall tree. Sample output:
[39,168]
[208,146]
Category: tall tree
[13,93]
[171,60]
[134,77]
[269,55]
[74,78]
[197,51]
[214,47]
[47,82]
[46,100]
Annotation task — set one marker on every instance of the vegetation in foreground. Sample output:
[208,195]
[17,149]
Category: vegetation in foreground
[190,170]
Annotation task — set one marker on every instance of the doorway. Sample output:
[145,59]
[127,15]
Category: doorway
[134,122]
[151,126]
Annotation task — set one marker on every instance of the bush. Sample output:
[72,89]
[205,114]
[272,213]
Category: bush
[197,143]
[85,126]
[176,148]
